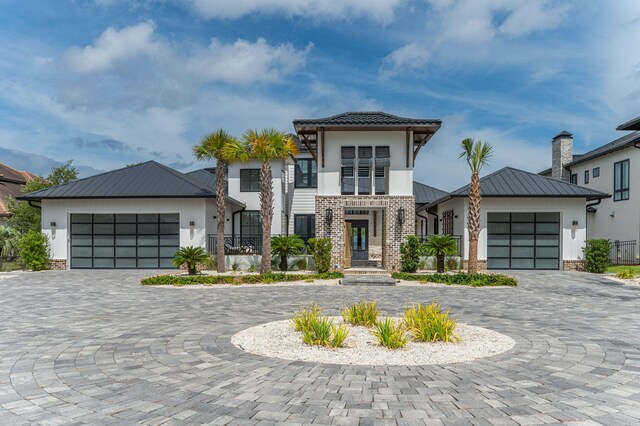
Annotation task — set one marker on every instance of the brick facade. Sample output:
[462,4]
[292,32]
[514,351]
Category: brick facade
[573,265]
[58,264]
[393,234]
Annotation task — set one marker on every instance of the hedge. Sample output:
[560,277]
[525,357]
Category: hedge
[461,278]
[269,278]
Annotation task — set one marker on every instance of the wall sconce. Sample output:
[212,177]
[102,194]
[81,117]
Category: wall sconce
[401,216]
[612,214]
[329,216]
[456,216]
[53,224]
[192,223]
[575,223]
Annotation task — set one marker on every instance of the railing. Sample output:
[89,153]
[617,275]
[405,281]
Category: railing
[236,244]
[458,239]
[623,253]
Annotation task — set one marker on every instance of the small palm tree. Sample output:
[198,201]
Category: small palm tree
[212,146]
[9,239]
[285,246]
[477,154]
[440,246]
[190,256]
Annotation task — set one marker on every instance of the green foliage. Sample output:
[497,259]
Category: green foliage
[190,256]
[427,323]
[320,248]
[617,268]
[596,253]
[235,267]
[286,246]
[62,174]
[440,246]
[269,278]
[211,264]
[319,332]
[410,252]
[252,268]
[452,264]
[301,264]
[476,153]
[460,278]
[338,335]
[303,316]
[390,334]
[34,251]
[626,274]
[361,313]
[9,240]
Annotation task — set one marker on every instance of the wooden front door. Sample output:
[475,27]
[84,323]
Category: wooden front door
[359,239]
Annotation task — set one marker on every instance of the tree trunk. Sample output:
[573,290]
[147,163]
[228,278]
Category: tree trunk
[221,172]
[440,263]
[191,269]
[266,215]
[473,257]
[284,263]
[473,224]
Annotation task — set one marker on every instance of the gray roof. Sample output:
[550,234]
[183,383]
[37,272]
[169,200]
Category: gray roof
[144,180]
[204,177]
[426,194]
[547,172]
[633,124]
[510,182]
[366,119]
[621,143]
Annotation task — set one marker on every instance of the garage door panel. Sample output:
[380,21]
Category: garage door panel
[498,251]
[523,240]
[547,264]
[522,252]
[522,217]
[522,228]
[547,228]
[522,263]
[498,264]
[81,263]
[126,263]
[547,252]
[547,240]
[498,228]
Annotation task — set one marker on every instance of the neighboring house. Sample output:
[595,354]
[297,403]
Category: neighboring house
[613,168]
[11,183]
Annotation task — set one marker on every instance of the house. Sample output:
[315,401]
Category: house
[11,183]
[613,168]
[352,182]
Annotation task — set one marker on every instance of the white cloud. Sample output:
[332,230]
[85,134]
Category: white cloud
[245,62]
[533,16]
[378,10]
[114,46]
[410,56]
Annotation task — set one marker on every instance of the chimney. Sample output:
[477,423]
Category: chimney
[561,155]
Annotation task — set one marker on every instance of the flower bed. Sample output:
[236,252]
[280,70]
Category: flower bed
[460,278]
[270,278]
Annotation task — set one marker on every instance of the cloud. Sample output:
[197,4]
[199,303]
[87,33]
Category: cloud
[243,62]
[532,17]
[408,57]
[377,10]
[39,164]
[100,145]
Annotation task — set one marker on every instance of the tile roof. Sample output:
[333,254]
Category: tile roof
[366,119]
[11,183]
[425,194]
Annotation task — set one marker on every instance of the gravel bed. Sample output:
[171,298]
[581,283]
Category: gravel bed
[315,283]
[278,339]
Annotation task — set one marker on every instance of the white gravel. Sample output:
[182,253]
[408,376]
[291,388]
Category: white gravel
[278,339]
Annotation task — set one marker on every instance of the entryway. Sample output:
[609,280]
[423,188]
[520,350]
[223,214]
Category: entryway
[359,239]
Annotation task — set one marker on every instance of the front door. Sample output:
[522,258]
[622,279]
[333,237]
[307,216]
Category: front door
[359,239]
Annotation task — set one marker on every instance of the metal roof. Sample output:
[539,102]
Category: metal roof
[510,182]
[616,145]
[633,124]
[207,179]
[425,194]
[144,180]
[365,119]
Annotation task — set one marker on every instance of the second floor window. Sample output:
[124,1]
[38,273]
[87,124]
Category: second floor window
[348,181]
[306,173]
[586,176]
[364,180]
[574,178]
[621,180]
[596,172]
[249,180]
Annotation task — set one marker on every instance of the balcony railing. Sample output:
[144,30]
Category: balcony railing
[623,253]
[458,239]
[236,244]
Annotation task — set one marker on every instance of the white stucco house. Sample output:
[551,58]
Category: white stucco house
[352,182]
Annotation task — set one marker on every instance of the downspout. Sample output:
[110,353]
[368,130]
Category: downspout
[233,222]
[426,222]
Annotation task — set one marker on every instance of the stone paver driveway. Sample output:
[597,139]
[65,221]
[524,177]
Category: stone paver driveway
[94,347]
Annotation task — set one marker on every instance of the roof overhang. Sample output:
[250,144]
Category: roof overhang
[229,200]
[452,196]
[633,124]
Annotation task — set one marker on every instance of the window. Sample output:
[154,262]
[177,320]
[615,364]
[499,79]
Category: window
[306,173]
[348,181]
[364,180]
[350,212]
[574,178]
[586,176]
[596,172]
[304,225]
[621,180]
[447,222]
[381,165]
[250,224]
[249,180]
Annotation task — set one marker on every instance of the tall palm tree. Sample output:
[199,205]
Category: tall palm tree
[266,145]
[477,154]
[212,147]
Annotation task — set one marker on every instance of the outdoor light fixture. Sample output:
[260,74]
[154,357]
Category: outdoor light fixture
[612,214]
[575,223]
[53,224]
[192,223]
[329,216]
[401,216]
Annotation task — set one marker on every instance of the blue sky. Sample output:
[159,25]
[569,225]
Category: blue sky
[112,82]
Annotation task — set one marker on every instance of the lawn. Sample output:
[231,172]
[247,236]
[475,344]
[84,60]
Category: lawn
[618,268]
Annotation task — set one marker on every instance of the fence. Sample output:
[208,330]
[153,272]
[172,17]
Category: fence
[458,239]
[623,253]
[237,245]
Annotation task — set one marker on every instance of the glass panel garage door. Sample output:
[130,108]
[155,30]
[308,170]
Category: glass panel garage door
[124,240]
[523,240]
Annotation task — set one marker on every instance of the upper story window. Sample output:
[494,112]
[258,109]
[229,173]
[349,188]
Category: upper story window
[348,158]
[586,176]
[371,172]
[306,173]
[574,178]
[621,180]
[249,180]
[596,172]
[382,163]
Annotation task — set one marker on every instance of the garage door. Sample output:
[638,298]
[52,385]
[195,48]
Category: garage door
[124,240]
[523,240]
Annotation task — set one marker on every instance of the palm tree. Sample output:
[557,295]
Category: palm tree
[266,145]
[285,246]
[440,246]
[190,256]
[9,239]
[211,147]
[477,154]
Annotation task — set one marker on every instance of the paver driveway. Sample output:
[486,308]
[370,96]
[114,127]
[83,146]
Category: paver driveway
[95,347]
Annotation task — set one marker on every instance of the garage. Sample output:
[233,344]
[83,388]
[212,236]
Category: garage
[523,240]
[108,241]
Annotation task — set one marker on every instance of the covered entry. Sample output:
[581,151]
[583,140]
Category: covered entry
[523,240]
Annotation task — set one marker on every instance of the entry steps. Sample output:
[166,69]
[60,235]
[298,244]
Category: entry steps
[368,280]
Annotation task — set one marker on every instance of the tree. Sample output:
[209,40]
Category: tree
[62,174]
[212,146]
[477,154]
[410,252]
[285,246]
[34,250]
[9,239]
[267,145]
[440,246]
[190,256]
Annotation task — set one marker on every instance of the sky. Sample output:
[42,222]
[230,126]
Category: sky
[113,82]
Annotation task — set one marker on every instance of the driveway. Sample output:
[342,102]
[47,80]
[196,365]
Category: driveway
[96,347]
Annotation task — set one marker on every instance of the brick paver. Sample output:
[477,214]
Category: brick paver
[95,347]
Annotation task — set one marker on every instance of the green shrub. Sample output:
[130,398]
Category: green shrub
[338,335]
[440,246]
[173,279]
[452,264]
[34,250]
[252,268]
[427,323]
[361,313]
[460,278]
[390,334]
[596,254]
[285,246]
[211,264]
[318,333]
[235,267]
[190,256]
[320,248]
[301,264]
[626,274]
[410,252]
[302,317]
